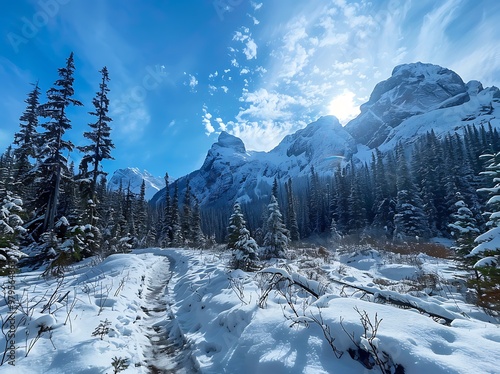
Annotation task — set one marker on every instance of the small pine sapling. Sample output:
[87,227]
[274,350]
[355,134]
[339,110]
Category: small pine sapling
[119,364]
[102,329]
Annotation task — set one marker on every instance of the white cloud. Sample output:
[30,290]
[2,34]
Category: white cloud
[267,105]
[211,89]
[209,129]
[224,88]
[432,37]
[222,126]
[256,6]
[255,20]
[250,49]
[263,135]
[193,82]
[244,71]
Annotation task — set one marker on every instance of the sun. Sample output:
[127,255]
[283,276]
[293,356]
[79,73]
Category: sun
[343,107]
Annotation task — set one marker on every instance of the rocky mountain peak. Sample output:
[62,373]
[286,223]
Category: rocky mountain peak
[227,140]
[132,177]
[412,89]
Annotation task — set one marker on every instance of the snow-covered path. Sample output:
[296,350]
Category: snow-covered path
[167,352]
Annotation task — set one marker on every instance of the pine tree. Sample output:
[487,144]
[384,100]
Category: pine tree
[10,229]
[52,161]
[141,214]
[275,188]
[101,144]
[334,237]
[198,238]
[277,236]
[409,220]
[486,253]
[357,210]
[291,216]
[167,235]
[341,209]
[314,202]
[384,204]
[463,227]
[244,248]
[187,215]
[129,212]
[26,140]
[177,238]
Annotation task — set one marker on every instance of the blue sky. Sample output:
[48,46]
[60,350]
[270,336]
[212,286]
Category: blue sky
[183,71]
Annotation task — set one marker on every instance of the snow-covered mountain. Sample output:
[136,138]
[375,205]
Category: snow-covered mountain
[134,177]
[417,98]
[231,172]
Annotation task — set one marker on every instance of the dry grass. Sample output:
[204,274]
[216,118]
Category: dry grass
[408,248]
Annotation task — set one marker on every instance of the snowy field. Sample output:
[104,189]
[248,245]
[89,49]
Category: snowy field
[184,311]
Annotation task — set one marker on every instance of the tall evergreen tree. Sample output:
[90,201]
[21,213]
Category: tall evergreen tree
[26,140]
[167,235]
[177,238]
[141,214]
[101,144]
[409,220]
[384,204]
[52,160]
[486,253]
[463,226]
[198,239]
[357,210]
[186,214]
[292,225]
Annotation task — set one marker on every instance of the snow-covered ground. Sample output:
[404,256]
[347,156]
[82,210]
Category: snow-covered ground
[180,310]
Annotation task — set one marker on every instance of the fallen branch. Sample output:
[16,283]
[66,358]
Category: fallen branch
[397,301]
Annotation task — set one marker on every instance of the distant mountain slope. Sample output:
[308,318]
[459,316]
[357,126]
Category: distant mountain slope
[134,177]
[230,171]
[417,98]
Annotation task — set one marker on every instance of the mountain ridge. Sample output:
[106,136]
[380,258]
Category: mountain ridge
[133,177]
[416,99]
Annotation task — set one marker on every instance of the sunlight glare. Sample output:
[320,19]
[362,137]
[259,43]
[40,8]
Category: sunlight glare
[343,107]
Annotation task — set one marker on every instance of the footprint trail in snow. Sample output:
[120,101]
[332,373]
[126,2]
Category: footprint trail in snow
[168,352]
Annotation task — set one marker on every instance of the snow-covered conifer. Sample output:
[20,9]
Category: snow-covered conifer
[244,248]
[10,229]
[486,253]
[277,236]
[463,226]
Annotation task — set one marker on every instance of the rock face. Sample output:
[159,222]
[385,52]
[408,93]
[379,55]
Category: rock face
[416,99]
[411,90]
[134,178]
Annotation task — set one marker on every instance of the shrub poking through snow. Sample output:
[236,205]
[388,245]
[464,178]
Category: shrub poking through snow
[102,329]
[119,364]
[368,351]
